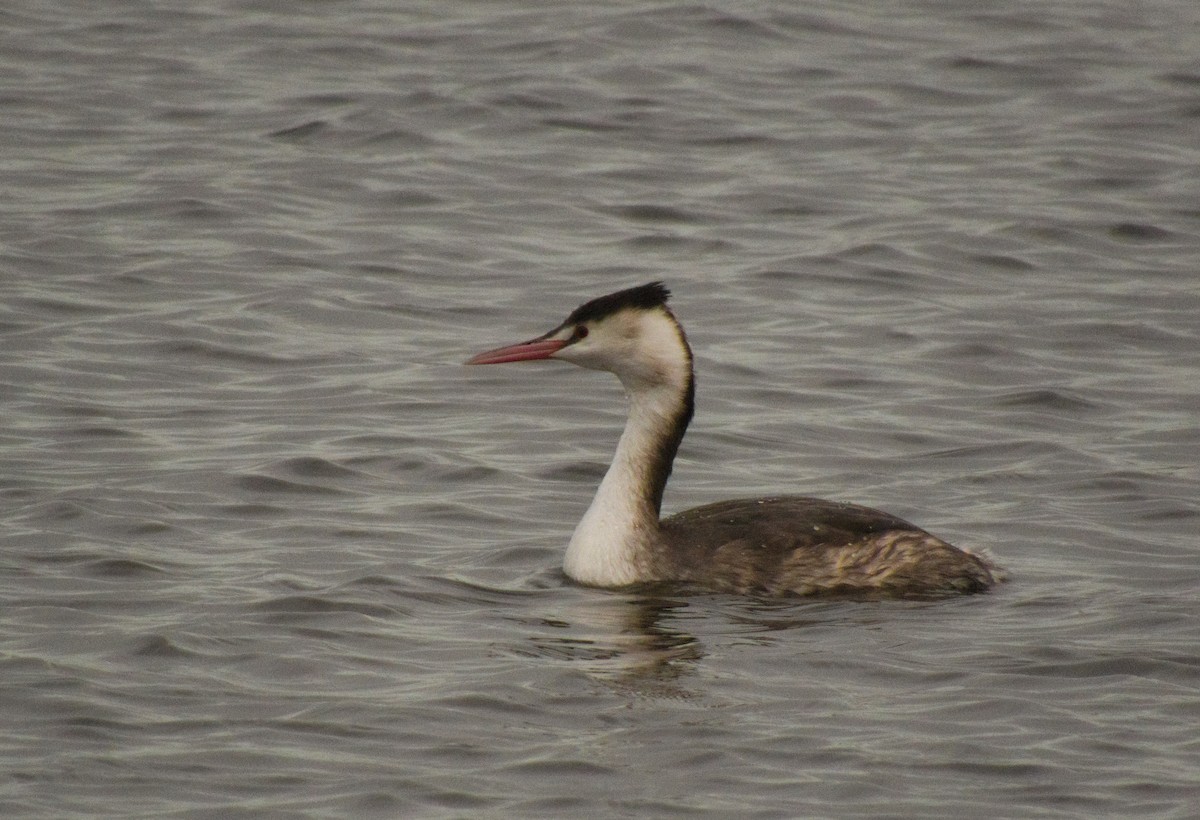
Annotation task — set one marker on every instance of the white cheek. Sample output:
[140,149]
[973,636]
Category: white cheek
[580,354]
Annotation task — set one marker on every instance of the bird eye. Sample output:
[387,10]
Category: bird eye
[581,332]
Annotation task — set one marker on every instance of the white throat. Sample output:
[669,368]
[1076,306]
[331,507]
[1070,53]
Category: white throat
[612,540]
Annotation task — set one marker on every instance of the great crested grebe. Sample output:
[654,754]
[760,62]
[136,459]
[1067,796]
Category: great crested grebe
[782,545]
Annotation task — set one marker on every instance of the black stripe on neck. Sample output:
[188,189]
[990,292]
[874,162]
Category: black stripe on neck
[663,457]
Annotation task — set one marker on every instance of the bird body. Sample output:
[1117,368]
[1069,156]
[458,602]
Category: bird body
[786,545]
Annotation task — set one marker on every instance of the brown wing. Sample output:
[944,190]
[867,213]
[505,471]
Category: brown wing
[799,545]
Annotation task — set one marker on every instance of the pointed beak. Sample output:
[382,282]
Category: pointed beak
[532,350]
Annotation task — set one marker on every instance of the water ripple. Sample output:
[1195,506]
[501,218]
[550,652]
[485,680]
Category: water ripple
[270,548]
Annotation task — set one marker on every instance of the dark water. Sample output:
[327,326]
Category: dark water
[269,550]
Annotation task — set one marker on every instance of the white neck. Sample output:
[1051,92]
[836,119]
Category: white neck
[615,542]
[611,543]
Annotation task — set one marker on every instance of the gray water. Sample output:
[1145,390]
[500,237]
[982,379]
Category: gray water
[269,550]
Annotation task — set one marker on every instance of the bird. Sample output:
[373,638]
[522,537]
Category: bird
[786,545]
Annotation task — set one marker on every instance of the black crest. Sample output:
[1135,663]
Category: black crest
[643,297]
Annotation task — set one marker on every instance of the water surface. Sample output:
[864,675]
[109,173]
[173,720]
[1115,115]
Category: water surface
[270,551]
